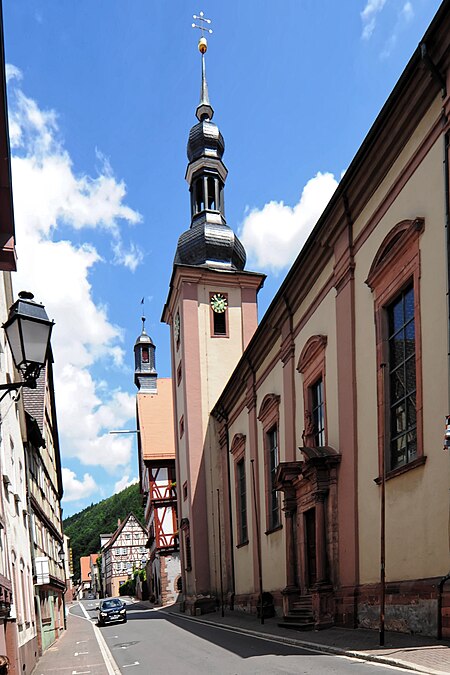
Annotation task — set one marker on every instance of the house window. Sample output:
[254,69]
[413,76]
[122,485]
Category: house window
[273,461]
[394,279]
[179,373]
[185,491]
[242,501]
[402,379]
[318,413]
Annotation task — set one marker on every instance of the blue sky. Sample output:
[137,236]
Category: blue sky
[102,96]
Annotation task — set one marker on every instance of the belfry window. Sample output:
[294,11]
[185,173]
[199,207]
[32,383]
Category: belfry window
[199,197]
[145,356]
[211,194]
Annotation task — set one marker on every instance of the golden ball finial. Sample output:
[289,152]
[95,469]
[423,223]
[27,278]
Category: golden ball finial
[202,45]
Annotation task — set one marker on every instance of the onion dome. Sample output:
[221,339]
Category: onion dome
[205,139]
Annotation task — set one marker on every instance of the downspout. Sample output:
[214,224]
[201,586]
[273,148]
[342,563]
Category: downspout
[447,228]
[233,580]
[222,416]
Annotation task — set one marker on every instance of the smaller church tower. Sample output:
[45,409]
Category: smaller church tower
[145,375]
[157,475]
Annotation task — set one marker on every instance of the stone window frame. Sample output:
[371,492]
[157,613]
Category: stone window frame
[269,416]
[312,366]
[238,451]
[396,266]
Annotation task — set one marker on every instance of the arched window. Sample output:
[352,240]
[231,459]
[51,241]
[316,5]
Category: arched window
[269,417]
[394,279]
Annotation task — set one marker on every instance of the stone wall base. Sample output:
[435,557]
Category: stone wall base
[196,606]
[248,602]
[411,606]
[28,656]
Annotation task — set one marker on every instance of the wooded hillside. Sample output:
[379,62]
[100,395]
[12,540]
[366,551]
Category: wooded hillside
[84,528]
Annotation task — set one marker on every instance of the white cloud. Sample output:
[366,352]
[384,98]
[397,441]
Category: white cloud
[369,17]
[407,11]
[75,489]
[274,235]
[48,194]
[124,483]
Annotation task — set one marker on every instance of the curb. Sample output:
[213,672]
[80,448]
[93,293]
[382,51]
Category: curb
[326,649]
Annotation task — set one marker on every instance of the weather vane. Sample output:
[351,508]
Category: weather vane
[143,314]
[204,27]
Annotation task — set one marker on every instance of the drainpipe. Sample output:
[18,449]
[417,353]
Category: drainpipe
[447,228]
[233,580]
[223,416]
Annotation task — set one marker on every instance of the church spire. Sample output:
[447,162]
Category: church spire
[209,241]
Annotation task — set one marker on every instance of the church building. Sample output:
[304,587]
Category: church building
[309,449]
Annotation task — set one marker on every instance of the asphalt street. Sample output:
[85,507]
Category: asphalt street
[155,643]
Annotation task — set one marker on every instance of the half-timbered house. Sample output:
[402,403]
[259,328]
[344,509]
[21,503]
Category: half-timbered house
[124,553]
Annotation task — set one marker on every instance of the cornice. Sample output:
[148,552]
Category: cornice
[200,275]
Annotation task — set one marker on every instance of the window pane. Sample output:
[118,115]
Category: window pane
[409,304]
[398,419]
[397,385]
[272,442]
[396,318]
[410,368]
[411,412]
[397,349]
[402,378]
[318,413]
[410,341]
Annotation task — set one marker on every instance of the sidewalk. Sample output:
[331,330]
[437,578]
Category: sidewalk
[77,650]
[414,652]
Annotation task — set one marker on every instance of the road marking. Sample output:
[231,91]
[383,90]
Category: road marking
[79,653]
[129,665]
[78,642]
[84,611]
[111,665]
[80,672]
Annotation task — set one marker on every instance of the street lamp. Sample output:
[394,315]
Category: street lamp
[28,330]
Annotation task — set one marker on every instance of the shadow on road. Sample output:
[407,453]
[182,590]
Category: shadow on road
[230,639]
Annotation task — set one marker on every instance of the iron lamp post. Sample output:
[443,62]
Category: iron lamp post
[28,330]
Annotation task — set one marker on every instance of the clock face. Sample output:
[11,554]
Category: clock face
[176,326]
[219,303]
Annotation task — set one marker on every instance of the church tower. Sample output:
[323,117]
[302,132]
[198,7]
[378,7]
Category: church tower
[212,313]
[145,375]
